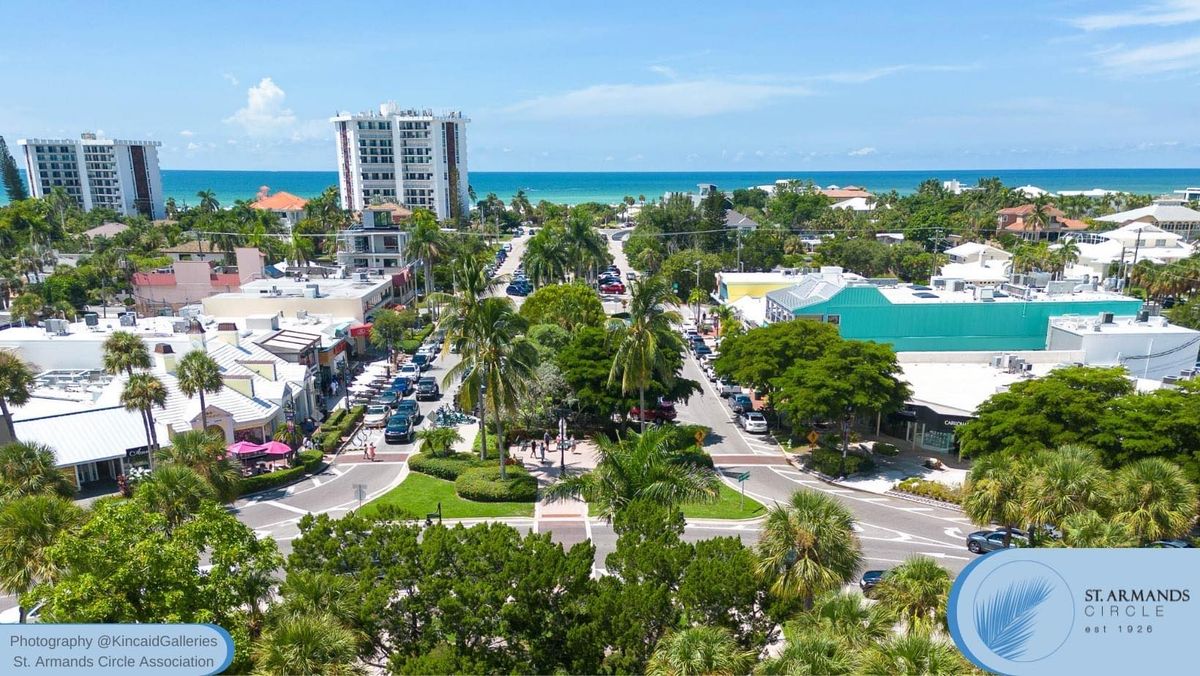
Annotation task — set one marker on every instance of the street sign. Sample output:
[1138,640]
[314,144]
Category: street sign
[742,480]
[743,476]
[360,493]
[700,437]
[813,437]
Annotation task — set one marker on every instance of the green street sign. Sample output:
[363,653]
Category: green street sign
[743,476]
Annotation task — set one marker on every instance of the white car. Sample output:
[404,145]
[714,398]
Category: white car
[755,422]
[410,370]
[376,415]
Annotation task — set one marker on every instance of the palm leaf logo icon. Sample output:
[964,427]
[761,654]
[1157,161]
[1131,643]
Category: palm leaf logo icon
[1005,621]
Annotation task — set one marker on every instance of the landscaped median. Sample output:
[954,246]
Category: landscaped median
[338,426]
[466,487]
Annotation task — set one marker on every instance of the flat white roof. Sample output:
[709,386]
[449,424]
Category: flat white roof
[907,295]
[328,288]
[959,389]
[1128,326]
[758,277]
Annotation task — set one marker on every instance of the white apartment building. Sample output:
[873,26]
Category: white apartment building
[411,157]
[109,173]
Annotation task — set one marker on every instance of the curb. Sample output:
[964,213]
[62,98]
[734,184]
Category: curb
[890,493]
[325,464]
[923,500]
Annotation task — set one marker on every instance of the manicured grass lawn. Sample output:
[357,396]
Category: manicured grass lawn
[419,494]
[726,507]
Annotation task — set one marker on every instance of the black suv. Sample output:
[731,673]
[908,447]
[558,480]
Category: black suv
[427,389]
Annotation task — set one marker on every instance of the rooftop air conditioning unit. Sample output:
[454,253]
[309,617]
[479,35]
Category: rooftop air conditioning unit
[1170,380]
[997,361]
[127,319]
[91,319]
[1187,373]
[180,327]
[1106,318]
[301,314]
[958,285]
[1028,367]
[362,277]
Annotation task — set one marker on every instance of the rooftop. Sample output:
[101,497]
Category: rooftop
[1119,326]
[959,388]
[1163,211]
[106,230]
[327,288]
[88,435]
[280,201]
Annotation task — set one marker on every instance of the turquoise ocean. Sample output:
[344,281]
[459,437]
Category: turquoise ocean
[610,187]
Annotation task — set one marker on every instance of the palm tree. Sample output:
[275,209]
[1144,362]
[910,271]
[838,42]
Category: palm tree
[1065,255]
[808,547]
[28,527]
[425,241]
[1065,482]
[174,491]
[463,330]
[198,374]
[1039,217]
[546,257]
[1090,530]
[585,247]
[992,493]
[31,469]
[845,614]
[699,650]
[208,201]
[438,441]
[1154,499]
[638,466]
[205,454]
[499,361]
[648,342]
[306,644]
[916,591]
[16,382]
[812,652]
[142,392]
[914,653]
[725,316]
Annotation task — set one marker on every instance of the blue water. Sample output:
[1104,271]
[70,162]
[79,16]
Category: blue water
[610,187]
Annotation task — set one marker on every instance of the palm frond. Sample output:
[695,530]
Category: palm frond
[1005,621]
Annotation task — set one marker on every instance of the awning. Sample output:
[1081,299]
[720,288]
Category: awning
[241,448]
[276,448]
[361,331]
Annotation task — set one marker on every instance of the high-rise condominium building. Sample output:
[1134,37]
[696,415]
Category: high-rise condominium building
[109,173]
[410,157]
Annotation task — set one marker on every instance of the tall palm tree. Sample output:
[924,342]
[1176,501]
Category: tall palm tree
[208,201]
[124,352]
[1154,499]
[585,247]
[28,526]
[426,243]
[464,332]
[845,614]
[648,341]
[1090,530]
[1038,217]
[808,547]
[500,360]
[638,466]
[546,257]
[699,651]
[1065,482]
[916,591]
[914,653]
[812,652]
[204,453]
[199,374]
[174,491]
[307,644]
[142,392]
[1065,255]
[31,469]
[16,383]
[992,493]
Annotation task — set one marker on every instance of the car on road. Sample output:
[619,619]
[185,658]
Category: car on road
[409,370]
[870,580]
[983,541]
[410,408]
[741,403]
[729,388]
[517,290]
[631,276]
[376,415]
[753,421]
[710,373]
[702,350]
[399,429]
[612,287]
[423,361]
[402,385]
[427,389]
[654,413]
[388,399]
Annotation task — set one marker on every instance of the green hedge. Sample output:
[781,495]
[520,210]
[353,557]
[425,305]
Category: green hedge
[829,462]
[885,449]
[930,489]
[483,484]
[411,345]
[447,468]
[493,451]
[338,425]
[309,461]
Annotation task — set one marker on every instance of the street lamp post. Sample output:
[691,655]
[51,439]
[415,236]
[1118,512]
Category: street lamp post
[346,383]
[697,271]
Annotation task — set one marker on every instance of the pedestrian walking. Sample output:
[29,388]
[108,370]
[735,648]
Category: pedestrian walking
[544,450]
[371,450]
[572,442]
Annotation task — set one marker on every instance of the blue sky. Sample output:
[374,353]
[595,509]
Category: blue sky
[624,86]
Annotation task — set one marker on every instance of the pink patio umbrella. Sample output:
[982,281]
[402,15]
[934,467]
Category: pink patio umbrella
[244,448]
[276,448]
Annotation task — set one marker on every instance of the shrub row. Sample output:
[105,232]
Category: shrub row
[338,425]
[829,462]
[308,461]
[885,449]
[483,484]
[930,489]
[411,345]
[493,451]
[447,468]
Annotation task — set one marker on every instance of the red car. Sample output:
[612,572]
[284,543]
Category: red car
[612,287]
[661,412]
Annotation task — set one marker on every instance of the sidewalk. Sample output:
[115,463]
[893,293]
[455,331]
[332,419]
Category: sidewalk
[909,463]
[565,520]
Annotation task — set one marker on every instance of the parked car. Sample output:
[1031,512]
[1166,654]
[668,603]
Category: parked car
[710,373]
[631,276]
[612,287]
[399,429]
[507,246]
[753,421]
[653,413]
[729,388]
[516,290]
[412,409]
[702,350]
[983,541]
[422,360]
[410,370]
[388,399]
[427,389]
[402,386]
[870,580]
[741,403]
[376,415]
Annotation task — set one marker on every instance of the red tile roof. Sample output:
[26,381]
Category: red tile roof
[844,193]
[1026,209]
[280,201]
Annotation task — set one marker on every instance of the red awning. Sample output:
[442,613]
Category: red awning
[361,331]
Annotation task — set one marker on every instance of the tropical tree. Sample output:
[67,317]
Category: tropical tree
[28,468]
[648,342]
[29,525]
[16,383]
[917,591]
[464,332]
[1039,216]
[992,492]
[14,187]
[28,307]
[808,547]
[1154,500]
[547,257]
[844,614]
[914,653]
[143,392]
[643,466]
[726,318]
[387,329]
[811,652]
[204,453]
[426,243]
[199,374]
[1067,481]
[208,201]
[585,247]
[1091,530]
[174,491]
[307,644]
[699,651]
[439,441]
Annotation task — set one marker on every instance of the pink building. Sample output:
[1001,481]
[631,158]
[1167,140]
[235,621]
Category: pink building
[190,281]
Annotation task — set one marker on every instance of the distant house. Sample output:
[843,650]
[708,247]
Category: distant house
[976,252]
[1172,215]
[1013,220]
[106,230]
[288,207]
[855,204]
[836,194]
[1132,242]
[976,263]
[189,281]
[736,219]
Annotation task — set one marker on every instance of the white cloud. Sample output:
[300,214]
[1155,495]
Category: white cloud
[867,75]
[230,79]
[187,133]
[1163,57]
[862,152]
[264,113]
[694,98]
[609,158]
[1170,13]
[665,71]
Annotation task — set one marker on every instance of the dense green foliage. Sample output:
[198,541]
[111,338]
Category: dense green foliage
[934,490]
[448,467]
[484,484]
[569,306]
[828,461]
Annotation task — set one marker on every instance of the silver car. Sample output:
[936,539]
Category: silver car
[754,422]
